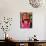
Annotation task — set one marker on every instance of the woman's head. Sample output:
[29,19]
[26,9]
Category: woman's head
[25,16]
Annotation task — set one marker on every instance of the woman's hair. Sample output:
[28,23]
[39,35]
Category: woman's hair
[27,13]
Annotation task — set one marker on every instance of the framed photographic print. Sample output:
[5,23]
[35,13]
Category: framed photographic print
[25,19]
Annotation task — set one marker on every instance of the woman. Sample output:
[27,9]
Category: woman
[25,20]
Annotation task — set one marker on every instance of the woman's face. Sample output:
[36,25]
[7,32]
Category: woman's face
[26,17]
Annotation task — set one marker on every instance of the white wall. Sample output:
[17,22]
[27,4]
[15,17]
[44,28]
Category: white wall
[12,8]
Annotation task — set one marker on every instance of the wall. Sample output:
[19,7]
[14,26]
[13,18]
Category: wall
[12,8]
